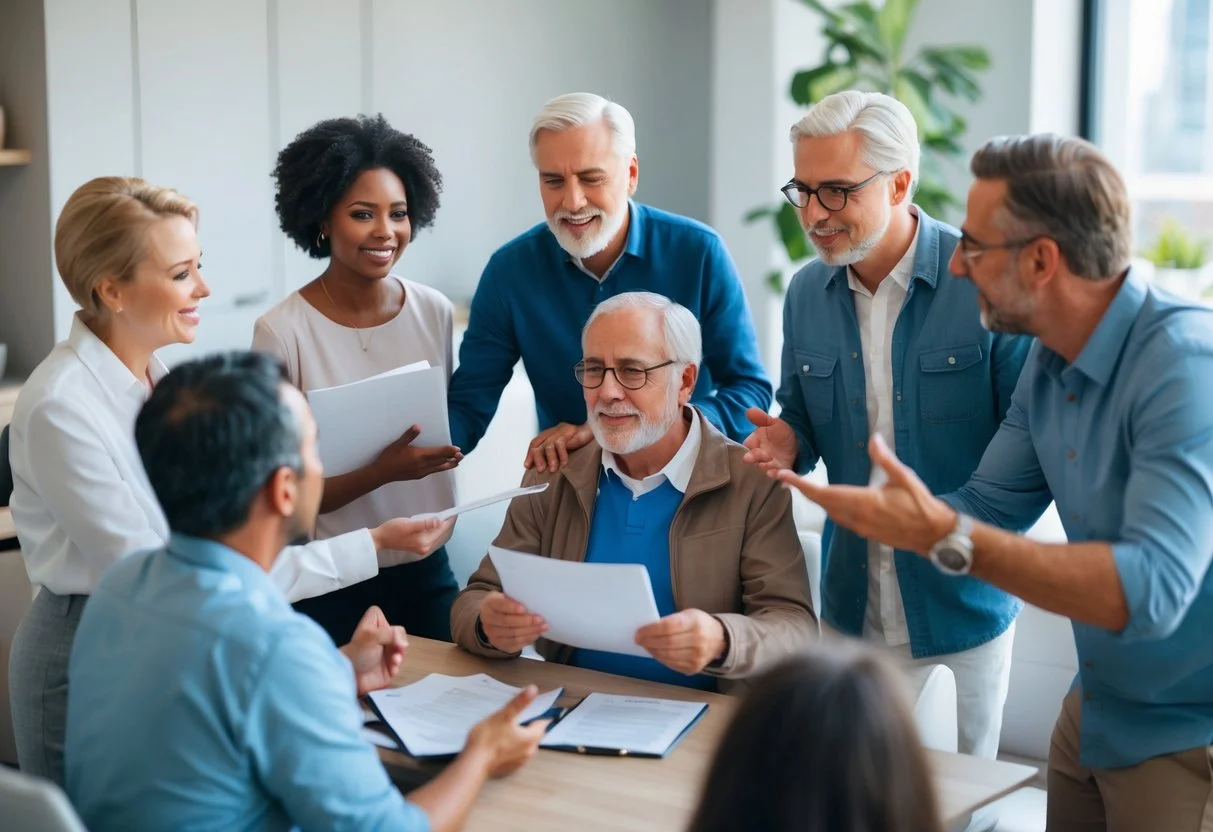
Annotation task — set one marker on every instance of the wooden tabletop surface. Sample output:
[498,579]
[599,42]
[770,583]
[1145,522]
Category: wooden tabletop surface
[558,790]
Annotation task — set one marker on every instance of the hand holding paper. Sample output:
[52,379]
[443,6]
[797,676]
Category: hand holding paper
[509,625]
[487,501]
[598,606]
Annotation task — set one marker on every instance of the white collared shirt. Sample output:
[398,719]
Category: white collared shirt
[877,315]
[677,470]
[81,499]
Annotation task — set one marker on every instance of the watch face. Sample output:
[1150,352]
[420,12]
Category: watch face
[950,558]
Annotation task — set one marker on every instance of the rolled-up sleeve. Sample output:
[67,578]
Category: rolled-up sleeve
[1165,545]
[303,733]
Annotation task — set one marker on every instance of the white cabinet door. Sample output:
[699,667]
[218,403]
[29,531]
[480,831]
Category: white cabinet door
[205,117]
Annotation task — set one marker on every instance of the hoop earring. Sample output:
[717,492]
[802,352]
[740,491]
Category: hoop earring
[320,240]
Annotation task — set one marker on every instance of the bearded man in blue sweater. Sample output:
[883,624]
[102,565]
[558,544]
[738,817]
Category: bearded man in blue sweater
[538,290]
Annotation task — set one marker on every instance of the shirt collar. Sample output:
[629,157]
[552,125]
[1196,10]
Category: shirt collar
[921,260]
[678,470]
[634,245]
[1099,355]
[210,554]
[901,274]
[114,376]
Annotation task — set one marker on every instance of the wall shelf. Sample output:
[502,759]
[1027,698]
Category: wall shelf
[15,157]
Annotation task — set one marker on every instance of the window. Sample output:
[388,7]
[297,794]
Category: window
[1149,105]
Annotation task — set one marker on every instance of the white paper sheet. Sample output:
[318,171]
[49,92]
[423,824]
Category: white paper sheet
[639,724]
[485,501]
[598,606]
[360,419]
[433,716]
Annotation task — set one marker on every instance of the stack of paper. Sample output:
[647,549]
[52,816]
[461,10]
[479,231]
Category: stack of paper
[358,420]
[432,717]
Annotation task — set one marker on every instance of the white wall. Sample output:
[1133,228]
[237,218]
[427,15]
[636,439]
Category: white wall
[201,95]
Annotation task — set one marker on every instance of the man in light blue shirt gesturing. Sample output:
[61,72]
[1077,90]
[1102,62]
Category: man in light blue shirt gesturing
[198,697]
[1112,419]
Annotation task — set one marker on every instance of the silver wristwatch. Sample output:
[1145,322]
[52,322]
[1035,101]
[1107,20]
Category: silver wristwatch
[954,554]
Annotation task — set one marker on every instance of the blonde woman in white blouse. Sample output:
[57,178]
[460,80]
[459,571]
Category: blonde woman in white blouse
[354,192]
[128,253]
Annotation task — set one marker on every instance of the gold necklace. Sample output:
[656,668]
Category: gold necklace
[366,345]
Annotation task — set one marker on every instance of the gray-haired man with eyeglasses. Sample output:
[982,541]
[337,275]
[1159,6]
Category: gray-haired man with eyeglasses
[659,486]
[879,338]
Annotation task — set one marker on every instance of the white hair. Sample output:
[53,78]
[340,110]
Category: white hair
[890,136]
[577,109]
[683,339]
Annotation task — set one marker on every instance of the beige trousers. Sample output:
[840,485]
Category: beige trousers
[1172,793]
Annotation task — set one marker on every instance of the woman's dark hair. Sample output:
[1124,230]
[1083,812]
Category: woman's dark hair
[211,435]
[824,742]
[321,164]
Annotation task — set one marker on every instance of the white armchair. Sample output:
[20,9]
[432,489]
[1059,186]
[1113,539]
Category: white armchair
[32,804]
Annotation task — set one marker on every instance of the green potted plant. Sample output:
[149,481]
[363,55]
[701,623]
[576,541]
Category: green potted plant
[865,49]
[1179,259]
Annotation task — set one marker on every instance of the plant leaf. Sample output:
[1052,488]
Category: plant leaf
[953,77]
[774,281]
[856,44]
[791,233]
[823,10]
[893,21]
[963,55]
[812,85]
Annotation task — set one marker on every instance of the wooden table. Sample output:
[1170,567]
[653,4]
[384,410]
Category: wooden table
[561,791]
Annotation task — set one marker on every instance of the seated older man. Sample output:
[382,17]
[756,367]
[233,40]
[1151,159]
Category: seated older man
[660,486]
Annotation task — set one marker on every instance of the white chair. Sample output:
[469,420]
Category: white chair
[31,804]
[935,706]
[810,544]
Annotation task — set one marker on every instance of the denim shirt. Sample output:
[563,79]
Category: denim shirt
[952,384]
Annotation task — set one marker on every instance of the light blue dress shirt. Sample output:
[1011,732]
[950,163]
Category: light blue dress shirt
[199,699]
[1122,439]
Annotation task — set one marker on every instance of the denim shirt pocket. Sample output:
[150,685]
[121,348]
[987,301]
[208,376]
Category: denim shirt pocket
[947,380]
[816,374]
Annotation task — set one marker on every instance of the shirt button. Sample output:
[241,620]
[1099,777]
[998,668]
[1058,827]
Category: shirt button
[854,355]
[1087,696]
[1088,665]
[951,359]
[1071,454]
[1074,516]
[804,368]
[1071,398]
[858,444]
[898,397]
[855,402]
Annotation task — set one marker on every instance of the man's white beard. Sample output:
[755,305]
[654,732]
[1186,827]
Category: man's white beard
[857,251]
[587,245]
[646,433]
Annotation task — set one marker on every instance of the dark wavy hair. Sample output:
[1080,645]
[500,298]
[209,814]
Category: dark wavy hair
[824,742]
[322,162]
[211,435]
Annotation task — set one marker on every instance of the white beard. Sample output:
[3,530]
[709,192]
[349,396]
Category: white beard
[857,251]
[648,432]
[587,245]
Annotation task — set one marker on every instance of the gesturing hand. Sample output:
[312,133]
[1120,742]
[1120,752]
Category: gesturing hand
[504,744]
[901,513]
[772,445]
[376,651]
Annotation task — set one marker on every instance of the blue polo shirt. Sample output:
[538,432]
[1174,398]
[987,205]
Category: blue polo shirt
[533,300]
[198,699]
[1122,439]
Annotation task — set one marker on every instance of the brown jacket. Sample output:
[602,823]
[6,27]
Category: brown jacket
[734,553]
